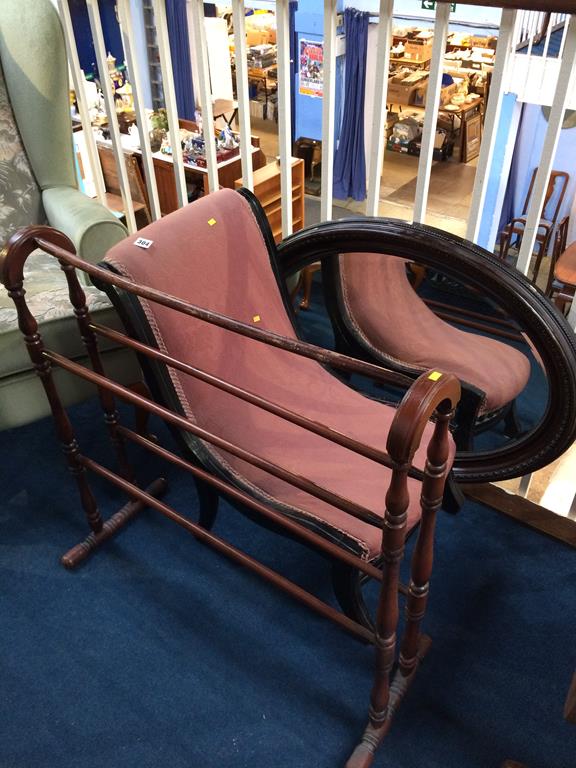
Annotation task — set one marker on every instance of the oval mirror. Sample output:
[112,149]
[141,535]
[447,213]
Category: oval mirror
[411,297]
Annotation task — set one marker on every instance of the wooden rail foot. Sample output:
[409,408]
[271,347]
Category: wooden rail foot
[118,520]
[364,753]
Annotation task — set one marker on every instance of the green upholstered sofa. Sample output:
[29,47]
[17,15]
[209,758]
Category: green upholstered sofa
[38,185]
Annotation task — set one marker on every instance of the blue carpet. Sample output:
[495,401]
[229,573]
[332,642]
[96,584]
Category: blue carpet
[158,653]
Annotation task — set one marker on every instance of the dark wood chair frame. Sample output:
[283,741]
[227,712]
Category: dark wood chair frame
[559,292]
[513,232]
[137,187]
[433,394]
[472,265]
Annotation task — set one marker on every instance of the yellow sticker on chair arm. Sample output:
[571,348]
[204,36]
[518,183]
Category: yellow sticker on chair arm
[435,375]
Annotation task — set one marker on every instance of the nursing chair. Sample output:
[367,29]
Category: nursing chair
[38,184]
[368,311]
[377,315]
[513,232]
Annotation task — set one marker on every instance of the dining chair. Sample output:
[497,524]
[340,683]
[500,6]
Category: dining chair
[513,232]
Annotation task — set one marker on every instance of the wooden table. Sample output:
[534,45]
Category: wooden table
[470,126]
[228,171]
[564,271]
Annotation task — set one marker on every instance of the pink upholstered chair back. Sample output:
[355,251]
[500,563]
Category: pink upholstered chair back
[212,253]
[393,321]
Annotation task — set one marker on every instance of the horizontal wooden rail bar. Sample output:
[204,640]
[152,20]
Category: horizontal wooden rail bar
[356,510]
[232,552]
[226,488]
[381,457]
[296,346]
[113,525]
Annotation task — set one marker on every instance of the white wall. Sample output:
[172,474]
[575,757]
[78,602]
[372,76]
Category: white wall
[464,13]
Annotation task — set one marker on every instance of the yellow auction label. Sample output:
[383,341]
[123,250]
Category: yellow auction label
[256,319]
[435,375]
[211,222]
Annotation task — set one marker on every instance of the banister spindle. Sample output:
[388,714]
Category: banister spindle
[90,340]
[430,501]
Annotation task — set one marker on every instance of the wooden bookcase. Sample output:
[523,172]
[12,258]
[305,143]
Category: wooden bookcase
[267,190]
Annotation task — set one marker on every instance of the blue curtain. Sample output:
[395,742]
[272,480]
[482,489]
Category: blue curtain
[180,50]
[350,160]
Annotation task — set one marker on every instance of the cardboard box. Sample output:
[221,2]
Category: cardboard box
[418,50]
[257,109]
[260,36]
[398,93]
[419,95]
[446,93]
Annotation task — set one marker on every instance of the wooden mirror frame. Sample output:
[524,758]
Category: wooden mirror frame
[465,262]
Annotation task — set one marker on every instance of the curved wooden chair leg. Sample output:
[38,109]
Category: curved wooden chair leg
[141,415]
[505,240]
[208,499]
[307,275]
[542,249]
[347,584]
[453,498]
[512,426]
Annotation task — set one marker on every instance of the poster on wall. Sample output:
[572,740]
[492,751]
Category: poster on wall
[311,68]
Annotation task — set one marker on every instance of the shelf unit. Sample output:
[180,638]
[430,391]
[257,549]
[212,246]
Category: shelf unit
[267,190]
[153,56]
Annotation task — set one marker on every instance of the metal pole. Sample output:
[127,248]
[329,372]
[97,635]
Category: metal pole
[431,113]
[106,85]
[238,13]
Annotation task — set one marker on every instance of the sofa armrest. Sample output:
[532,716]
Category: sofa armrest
[92,228]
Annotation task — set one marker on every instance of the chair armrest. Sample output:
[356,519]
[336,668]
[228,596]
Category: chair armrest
[92,228]
[519,220]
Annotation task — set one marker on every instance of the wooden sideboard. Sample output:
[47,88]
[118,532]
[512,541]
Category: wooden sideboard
[228,172]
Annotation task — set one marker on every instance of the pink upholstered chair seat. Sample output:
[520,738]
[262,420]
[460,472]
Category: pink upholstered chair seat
[212,254]
[392,319]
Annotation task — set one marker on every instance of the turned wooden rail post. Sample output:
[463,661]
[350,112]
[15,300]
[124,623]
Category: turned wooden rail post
[90,340]
[393,538]
[12,270]
[432,392]
[435,473]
